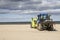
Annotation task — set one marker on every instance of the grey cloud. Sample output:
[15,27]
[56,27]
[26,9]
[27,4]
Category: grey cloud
[16,0]
[12,4]
[12,0]
[25,5]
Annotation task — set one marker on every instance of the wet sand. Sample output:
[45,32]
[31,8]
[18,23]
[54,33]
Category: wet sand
[24,32]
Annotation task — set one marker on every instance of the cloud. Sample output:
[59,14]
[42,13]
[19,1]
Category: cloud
[16,6]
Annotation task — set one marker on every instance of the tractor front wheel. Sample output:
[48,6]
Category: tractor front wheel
[39,27]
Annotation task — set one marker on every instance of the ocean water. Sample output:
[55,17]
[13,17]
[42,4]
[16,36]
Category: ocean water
[6,17]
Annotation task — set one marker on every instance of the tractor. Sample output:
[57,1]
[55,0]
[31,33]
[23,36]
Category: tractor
[45,22]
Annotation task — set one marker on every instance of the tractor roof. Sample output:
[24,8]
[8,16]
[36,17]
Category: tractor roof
[42,14]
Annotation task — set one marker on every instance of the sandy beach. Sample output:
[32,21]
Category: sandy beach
[24,32]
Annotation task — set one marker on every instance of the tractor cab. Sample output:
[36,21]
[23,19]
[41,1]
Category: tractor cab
[43,17]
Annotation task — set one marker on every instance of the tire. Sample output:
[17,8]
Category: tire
[39,27]
[51,28]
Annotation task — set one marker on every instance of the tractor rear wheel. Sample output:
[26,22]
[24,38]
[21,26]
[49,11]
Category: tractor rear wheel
[51,28]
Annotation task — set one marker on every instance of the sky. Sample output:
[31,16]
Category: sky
[10,9]
[29,6]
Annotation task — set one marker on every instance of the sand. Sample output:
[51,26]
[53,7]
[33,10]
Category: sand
[24,32]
